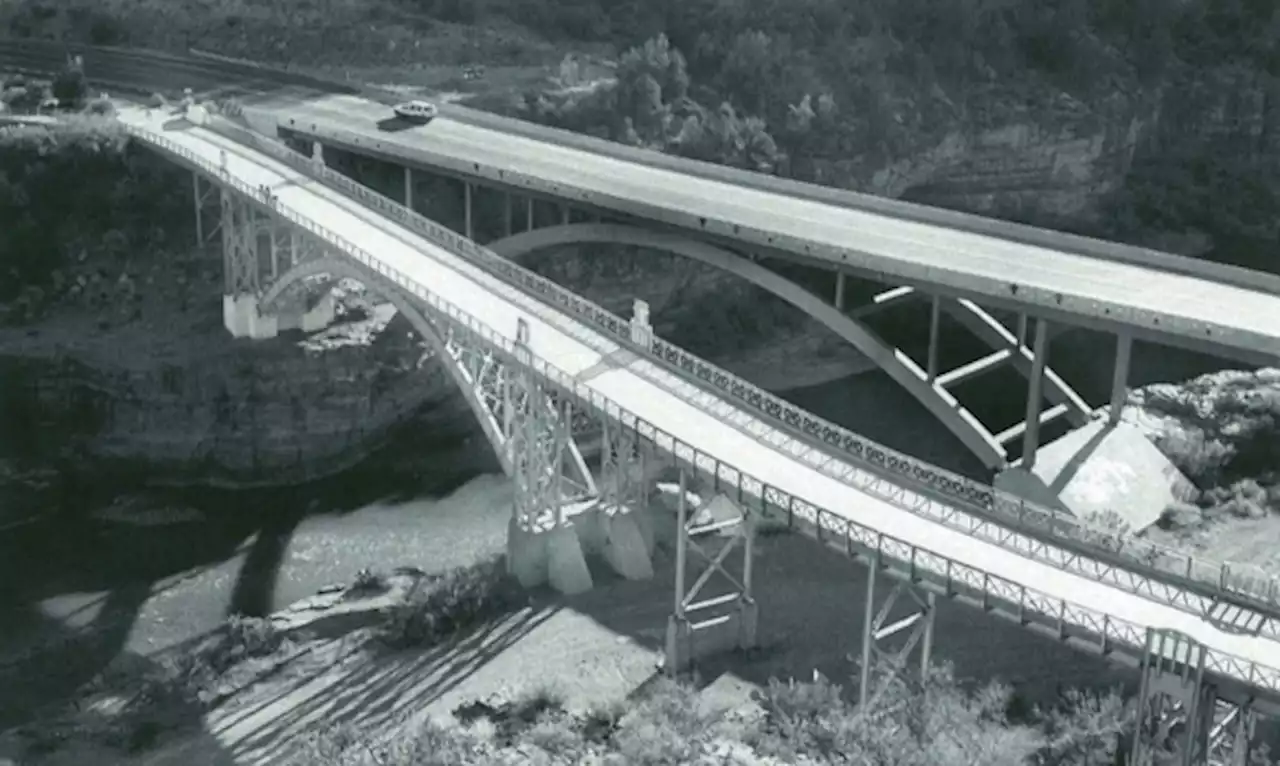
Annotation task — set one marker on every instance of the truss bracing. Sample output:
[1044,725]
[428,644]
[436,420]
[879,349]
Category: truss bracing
[1181,718]
[880,667]
[696,612]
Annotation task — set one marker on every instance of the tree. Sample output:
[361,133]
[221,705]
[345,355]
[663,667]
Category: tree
[69,87]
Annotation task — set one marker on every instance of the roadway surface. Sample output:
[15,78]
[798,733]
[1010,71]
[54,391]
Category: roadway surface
[1179,308]
[715,426]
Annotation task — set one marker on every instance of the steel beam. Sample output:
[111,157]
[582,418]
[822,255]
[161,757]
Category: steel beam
[735,602]
[1035,397]
[839,302]
[468,231]
[919,628]
[935,321]
[1120,376]
[408,187]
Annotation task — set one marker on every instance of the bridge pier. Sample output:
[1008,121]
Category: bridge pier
[918,626]
[1180,713]
[729,619]
[247,270]
[560,514]
[1120,378]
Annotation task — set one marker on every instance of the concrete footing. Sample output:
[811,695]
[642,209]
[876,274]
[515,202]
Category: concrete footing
[559,557]
[243,319]
[1100,469]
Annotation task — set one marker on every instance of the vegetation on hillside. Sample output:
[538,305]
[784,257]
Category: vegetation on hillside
[1223,433]
[72,189]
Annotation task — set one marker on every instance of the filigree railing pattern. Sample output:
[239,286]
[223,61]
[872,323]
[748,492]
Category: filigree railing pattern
[1070,622]
[1125,557]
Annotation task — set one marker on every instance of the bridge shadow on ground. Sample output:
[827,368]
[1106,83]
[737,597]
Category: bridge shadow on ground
[373,695]
[77,591]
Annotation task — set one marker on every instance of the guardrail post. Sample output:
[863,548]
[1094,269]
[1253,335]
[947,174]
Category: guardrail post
[875,659]
[641,328]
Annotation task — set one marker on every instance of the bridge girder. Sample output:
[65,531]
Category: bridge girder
[926,384]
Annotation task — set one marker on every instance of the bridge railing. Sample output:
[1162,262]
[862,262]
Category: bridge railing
[977,509]
[1067,621]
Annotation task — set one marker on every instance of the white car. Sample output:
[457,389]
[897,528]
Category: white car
[416,111]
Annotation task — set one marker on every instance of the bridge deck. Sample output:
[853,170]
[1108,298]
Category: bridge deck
[1151,299]
[714,425]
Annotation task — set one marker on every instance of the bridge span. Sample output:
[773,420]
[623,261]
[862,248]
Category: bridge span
[952,265]
[535,362]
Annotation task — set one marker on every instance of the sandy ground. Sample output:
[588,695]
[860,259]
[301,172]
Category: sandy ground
[592,648]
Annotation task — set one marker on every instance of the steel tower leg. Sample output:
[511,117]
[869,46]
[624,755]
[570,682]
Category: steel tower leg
[874,630]
[690,626]
[203,194]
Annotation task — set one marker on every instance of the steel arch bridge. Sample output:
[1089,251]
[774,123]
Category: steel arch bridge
[529,405]
[929,385]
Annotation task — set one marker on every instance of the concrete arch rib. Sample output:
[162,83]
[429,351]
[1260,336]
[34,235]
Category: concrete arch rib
[941,403]
[339,268]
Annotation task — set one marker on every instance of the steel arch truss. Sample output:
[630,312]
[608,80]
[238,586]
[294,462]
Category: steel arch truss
[529,427]
[701,622]
[1181,716]
[926,384]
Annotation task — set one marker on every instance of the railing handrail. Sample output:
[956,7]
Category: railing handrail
[970,495]
[956,576]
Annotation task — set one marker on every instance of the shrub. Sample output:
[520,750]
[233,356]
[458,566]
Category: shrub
[440,605]
[101,107]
